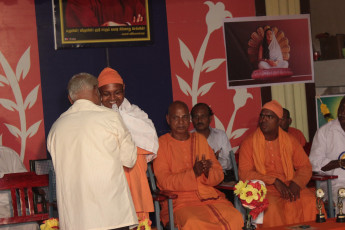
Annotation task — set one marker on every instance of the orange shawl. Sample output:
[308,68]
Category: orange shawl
[285,148]
[200,147]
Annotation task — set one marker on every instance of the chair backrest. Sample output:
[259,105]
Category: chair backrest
[234,164]
[159,196]
[42,167]
[23,184]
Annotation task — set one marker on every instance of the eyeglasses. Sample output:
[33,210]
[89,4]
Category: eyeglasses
[268,116]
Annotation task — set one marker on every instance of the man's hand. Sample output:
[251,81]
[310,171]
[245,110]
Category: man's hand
[284,190]
[139,18]
[206,164]
[217,153]
[332,165]
[198,167]
[272,63]
[295,190]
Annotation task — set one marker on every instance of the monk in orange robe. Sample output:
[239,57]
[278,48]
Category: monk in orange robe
[275,157]
[285,125]
[187,166]
[143,132]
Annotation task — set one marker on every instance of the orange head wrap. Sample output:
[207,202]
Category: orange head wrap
[109,76]
[275,107]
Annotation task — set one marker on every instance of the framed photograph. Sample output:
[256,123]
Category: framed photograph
[327,108]
[263,51]
[105,23]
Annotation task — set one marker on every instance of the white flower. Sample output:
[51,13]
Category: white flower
[240,98]
[216,15]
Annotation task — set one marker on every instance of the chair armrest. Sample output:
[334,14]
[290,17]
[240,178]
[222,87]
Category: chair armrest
[168,194]
[317,176]
[227,185]
[156,196]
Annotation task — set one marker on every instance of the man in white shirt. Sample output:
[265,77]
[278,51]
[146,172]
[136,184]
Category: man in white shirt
[11,163]
[328,151]
[89,145]
[216,138]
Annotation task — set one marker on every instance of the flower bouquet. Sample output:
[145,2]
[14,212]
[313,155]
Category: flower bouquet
[252,195]
[50,224]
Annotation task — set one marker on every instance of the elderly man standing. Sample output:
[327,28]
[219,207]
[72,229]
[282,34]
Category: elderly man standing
[89,145]
[275,157]
[187,166]
[328,150]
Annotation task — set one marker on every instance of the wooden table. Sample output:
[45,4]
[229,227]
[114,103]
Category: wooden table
[330,224]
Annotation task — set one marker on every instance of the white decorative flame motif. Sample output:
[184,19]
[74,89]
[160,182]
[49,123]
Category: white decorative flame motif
[20,104]
[214,21]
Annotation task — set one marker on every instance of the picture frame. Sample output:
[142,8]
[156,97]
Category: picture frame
[101,24]
[330,104]
[248,60]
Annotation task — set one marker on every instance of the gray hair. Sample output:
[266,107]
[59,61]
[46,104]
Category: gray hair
[80,82]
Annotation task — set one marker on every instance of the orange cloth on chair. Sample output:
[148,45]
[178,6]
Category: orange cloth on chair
[199,205]
[275,163]
[138,184]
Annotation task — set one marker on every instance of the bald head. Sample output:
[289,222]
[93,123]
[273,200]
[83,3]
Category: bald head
[175,104]
[178,119]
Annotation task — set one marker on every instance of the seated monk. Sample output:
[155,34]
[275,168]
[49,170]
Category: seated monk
[277,158]
[187,166]
[285,125]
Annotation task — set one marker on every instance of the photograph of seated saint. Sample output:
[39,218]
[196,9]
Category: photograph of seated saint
[269,49]
[266,50]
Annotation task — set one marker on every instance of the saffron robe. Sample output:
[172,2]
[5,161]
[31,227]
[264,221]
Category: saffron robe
[199,205]
[298,135]
[145,138]
[285,159]
[138,184]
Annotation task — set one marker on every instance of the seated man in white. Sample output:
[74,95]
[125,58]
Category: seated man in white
[11,163]
[217,139]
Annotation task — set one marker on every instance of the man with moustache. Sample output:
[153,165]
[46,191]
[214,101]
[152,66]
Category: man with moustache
[201,117]
[328,150]
[277,158]
[187,166]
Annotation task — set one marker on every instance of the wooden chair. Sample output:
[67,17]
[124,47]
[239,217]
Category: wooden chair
[160,196]
[23,183]
[44,167]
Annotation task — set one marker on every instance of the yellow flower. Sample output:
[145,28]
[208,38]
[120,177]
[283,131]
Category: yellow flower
[324,109]
[51,223]
[263,192]
[249,194]
[239,186]
[144,223]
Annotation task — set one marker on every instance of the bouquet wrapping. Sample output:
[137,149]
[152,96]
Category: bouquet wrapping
[252,195]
